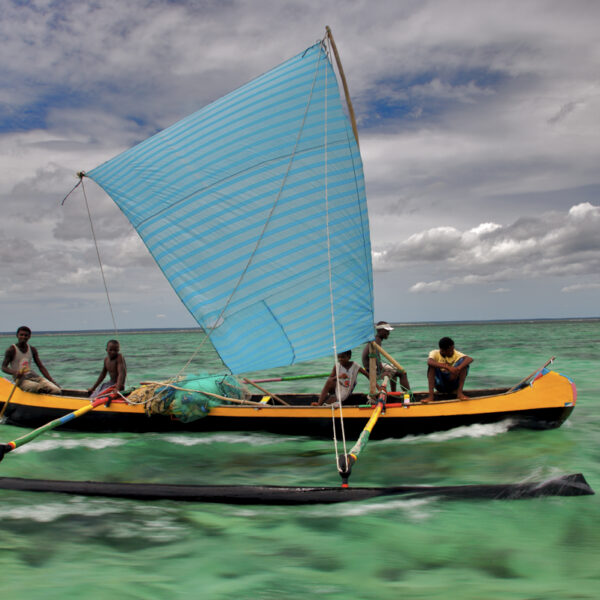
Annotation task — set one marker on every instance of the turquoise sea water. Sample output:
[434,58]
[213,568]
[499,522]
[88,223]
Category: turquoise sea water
[55,546]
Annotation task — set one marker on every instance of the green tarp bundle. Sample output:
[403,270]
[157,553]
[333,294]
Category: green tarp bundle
[189,398]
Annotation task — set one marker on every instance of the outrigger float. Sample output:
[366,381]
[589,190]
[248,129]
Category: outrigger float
[566,485]
[255,210]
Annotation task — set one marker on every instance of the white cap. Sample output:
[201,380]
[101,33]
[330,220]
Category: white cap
[384,325]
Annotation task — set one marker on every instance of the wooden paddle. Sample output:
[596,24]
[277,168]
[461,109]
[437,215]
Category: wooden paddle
[10,446]
[14,387]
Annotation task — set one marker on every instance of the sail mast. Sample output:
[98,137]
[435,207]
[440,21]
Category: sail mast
[344,83]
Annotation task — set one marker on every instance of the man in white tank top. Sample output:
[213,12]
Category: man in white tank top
[18,361]
[341,382]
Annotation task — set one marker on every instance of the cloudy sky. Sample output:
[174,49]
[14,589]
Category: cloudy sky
[478,124]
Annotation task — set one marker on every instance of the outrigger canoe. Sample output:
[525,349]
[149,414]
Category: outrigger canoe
[544,403]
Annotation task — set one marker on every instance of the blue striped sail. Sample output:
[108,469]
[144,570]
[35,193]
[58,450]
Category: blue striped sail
[254,208]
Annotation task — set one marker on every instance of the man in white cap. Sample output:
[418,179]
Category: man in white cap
[383,329]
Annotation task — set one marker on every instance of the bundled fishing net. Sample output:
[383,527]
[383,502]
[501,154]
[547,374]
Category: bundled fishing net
[189,398]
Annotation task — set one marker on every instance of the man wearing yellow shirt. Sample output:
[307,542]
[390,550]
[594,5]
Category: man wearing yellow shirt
[447,369]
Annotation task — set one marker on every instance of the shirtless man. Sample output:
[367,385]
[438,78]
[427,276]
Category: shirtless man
[114,365]
[18,360]
[447,370]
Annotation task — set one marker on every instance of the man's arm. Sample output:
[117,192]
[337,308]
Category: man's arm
[40,364]
[100,378]
[365,357]
[121,373]
[466,361]
[438,365]
[8,358]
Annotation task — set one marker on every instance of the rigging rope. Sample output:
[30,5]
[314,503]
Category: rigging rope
[80,175]
[112,314]
[338,389]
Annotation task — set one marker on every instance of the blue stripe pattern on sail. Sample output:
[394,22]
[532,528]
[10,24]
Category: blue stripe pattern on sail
[230,201]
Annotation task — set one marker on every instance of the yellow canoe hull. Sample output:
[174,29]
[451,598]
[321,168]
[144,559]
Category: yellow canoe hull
[545,403]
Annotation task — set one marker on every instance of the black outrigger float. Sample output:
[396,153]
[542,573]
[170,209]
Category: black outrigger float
[567,485]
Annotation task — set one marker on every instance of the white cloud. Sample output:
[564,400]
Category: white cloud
[430,287]
[580,287]
[550,245]
[478,128]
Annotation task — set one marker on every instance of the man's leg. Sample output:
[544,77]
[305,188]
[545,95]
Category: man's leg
[37,384]
[461,380]
[404,380]
[392,373]
[50,388]
[31,383]
[430,383]
[328,389]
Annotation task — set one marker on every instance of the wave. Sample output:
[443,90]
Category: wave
[46,513]
[468,431]
[228,438]
[70,443]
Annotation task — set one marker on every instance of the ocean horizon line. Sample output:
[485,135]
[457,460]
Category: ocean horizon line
[149,330]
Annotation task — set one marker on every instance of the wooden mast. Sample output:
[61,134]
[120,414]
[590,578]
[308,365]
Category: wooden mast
[344,83]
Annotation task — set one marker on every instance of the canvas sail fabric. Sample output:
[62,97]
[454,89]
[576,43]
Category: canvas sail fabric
[233,203]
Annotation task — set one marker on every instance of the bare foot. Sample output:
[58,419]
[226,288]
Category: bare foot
[428,399]
[462,396]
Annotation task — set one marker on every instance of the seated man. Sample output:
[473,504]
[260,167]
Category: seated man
[382,332]
[342,380]
[113,365]
[18,359]
[447,369]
